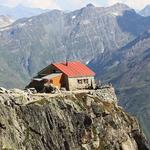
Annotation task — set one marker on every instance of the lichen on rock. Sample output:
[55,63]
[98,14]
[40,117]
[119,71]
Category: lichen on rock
[68,121]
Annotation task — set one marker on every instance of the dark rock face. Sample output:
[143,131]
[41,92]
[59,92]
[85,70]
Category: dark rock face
[67,122]
[139,140]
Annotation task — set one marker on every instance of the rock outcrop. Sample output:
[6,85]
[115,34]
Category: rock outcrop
[81,120]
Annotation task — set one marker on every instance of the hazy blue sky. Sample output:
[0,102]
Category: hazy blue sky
[73,4]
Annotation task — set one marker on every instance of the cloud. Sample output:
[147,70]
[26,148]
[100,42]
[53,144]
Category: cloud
[51,4]
[84,2]
[10,2]
[137,4]
[73,4]
[76,4]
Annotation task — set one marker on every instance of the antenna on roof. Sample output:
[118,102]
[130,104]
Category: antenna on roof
[67,58]
[53,60]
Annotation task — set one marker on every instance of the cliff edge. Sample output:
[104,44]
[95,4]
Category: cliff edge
[82,120]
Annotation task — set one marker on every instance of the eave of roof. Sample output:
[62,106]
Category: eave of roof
[53,75]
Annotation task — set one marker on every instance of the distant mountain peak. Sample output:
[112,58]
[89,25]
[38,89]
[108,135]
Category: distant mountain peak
[121,5]
[90,5]
[20,11]
[147,6]
[145,11]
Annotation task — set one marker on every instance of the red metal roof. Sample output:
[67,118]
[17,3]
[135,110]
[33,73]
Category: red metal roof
[74,69]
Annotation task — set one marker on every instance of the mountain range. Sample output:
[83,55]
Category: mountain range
[30,44]
[114,41]
[20,11]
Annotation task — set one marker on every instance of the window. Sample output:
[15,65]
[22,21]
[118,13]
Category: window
[86,81]
[54,71]
[79,81]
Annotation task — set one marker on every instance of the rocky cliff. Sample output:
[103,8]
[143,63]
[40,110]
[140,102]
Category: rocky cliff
[68,121]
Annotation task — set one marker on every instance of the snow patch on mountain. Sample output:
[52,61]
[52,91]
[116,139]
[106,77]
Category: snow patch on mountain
[5,28]
[21,24]
[116,14]
[73,17]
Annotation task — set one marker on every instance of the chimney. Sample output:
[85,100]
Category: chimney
[66,62]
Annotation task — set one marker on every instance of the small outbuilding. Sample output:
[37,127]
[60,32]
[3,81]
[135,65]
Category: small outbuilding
[68,75]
